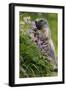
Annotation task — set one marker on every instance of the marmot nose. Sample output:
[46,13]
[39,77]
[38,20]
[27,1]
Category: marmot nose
[38,25]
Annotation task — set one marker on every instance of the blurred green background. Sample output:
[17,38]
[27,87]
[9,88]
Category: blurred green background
[32,62]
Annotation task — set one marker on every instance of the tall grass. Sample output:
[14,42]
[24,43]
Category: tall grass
[32,62]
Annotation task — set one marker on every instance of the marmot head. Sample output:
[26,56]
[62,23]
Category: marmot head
[41,23]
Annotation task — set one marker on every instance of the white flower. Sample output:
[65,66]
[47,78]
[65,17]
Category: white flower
[27,20]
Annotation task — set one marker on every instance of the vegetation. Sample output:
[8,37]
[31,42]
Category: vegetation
[32,62]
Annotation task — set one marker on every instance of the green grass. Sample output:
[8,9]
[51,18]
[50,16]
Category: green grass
[32,62]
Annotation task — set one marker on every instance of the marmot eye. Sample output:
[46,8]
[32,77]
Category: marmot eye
[41,20]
